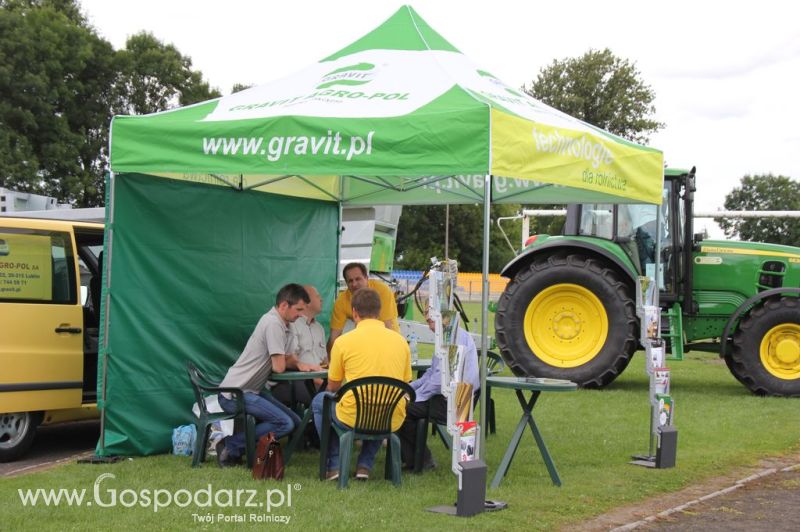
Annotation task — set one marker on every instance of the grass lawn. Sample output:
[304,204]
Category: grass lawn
[591,435]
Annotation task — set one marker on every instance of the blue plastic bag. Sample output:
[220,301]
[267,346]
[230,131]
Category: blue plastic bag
[183,439]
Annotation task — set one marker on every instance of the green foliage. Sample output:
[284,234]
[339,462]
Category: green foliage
[421,235]
[764,193]
[601,89]
[155,76]
[55,101]
[239,87]
[60,85]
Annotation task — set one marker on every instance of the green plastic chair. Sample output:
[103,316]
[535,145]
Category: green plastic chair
[201,385]
[376,399]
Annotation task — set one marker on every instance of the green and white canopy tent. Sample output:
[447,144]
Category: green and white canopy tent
[214,206]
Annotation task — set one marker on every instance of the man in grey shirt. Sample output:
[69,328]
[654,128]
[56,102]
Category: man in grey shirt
[270,348]
[310,346]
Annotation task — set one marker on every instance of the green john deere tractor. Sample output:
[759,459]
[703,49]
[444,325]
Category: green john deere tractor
[569,310]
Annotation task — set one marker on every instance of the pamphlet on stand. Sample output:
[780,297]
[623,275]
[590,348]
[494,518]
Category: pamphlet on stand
[665,409]
[645,293]
[651,323]
[654,352]
[660,382]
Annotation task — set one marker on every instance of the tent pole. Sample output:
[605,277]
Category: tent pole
[446,232]
[106,276]
[487,202]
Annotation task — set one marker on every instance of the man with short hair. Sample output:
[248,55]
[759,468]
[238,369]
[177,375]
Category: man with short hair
[356,276]
[270,348]
[371,350]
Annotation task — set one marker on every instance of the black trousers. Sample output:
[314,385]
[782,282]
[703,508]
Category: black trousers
[437,405]
[282,391]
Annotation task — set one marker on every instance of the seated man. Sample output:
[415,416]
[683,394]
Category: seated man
[371,350]
[356,277]
[310,345]
[267,350]
[429,396]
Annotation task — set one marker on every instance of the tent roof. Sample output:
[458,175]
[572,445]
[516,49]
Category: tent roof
[398,116]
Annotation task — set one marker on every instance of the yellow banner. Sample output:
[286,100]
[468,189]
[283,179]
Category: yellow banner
[25,267]
[579,159]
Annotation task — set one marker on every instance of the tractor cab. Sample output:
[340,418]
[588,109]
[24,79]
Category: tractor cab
[636,227]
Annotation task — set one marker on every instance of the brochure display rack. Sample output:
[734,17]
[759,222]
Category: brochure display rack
[465,460]
[662,405]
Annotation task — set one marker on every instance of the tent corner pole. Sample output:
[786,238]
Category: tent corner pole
[106,276]
[487,202]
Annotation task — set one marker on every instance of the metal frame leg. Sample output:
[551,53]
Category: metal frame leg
[511,450]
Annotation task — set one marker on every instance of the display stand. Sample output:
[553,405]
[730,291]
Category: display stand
[663,436]
[465,463]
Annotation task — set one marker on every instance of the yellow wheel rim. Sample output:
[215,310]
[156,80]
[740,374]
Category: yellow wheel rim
[780,351]
[566,325]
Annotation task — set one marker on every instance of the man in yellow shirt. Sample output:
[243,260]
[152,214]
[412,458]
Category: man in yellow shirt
[356,277]
[371,350]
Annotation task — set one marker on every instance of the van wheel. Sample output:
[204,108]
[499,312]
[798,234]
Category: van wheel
[16,433]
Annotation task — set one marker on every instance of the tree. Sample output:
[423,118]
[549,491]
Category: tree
[421,235]
[155,76]
[56,100]
[764,193]
[601,89]
[60,85]
[239,87]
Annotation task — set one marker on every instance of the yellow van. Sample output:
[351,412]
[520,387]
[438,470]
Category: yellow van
[49,316]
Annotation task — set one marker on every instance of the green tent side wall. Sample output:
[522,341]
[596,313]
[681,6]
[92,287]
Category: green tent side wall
[192,269]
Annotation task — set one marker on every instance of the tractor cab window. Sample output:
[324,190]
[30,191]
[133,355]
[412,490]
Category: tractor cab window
[636,231]
[670,236]
[597,219]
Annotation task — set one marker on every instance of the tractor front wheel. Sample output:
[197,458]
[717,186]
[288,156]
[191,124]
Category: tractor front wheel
[567,317]
[766,348]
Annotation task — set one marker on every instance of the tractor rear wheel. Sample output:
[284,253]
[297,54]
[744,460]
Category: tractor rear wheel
[567,317]
[766,348]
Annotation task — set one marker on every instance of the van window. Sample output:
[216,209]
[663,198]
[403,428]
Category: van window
[36,267]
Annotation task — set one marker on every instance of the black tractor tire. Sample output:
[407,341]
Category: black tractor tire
[732,367]
[611,358]
[766,348]
[17,431]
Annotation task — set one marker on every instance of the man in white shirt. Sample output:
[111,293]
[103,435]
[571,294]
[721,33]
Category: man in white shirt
[309,332]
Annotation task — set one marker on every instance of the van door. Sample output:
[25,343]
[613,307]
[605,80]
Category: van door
[41,318]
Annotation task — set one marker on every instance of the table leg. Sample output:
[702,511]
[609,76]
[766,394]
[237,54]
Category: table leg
[511,450]
[297,437]
[548,460]
[526,419]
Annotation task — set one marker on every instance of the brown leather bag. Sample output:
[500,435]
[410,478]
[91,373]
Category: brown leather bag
[269,458]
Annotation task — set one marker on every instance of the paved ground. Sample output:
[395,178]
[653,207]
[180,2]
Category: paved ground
[54,445]
[764,497]
[769,503]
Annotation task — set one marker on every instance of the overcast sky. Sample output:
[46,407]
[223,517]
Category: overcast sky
[726,74]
